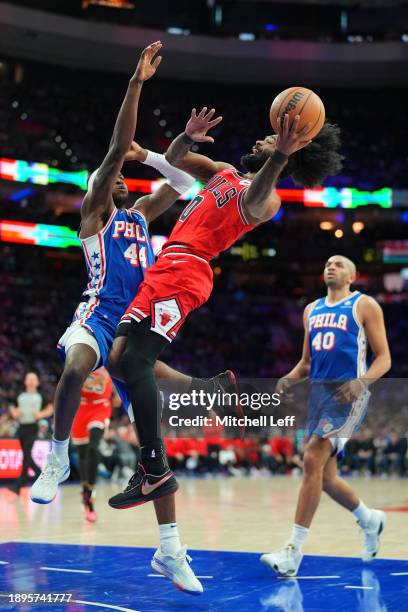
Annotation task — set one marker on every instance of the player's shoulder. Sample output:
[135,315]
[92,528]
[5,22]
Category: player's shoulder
[367,305]
[135,214]
[310,306]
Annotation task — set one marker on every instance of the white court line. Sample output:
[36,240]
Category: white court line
[4,563]
[305,577]
[399,574]
[103,605]
[162,576]
[349,586]
[61,569]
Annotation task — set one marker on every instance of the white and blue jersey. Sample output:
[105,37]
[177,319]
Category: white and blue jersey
[116,260]
[337,341]
[338,352]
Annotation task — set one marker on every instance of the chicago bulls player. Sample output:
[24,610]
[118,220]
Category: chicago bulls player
[229,205]
[97,397]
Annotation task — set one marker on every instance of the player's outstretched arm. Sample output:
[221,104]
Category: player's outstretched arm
[99,198]
[261,202]
[302,368]
[371,315]
[178,182]
[179,154]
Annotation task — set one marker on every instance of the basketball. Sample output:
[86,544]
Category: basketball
[299,101]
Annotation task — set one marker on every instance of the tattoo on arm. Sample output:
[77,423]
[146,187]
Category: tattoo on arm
[178,149]
[256,197]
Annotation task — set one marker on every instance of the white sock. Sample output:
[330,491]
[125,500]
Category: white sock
[298,536]
[60,450]
[169,539]
[362,513]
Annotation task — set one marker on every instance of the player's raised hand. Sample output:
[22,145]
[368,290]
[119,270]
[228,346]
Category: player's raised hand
[198,125]
[290,139]
[148,63]
[136,153]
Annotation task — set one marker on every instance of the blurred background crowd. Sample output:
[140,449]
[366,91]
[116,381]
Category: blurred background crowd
[63,117]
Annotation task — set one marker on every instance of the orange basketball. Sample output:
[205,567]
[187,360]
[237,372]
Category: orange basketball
[299,101]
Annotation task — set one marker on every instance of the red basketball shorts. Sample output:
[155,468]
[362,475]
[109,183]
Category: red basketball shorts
[89,415]
[174,286]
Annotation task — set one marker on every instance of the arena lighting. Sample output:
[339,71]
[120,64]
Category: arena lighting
[246,36]
[395,251]
[358,227]
[327,197]
[58,236]
[17,196]
[178,31]
[247,251]
[330,197]
[39,174]
[119,4]
[339,233]
[38,234]
[326,225]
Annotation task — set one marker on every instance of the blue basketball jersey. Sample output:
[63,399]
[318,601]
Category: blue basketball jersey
[116,259]
[337,341]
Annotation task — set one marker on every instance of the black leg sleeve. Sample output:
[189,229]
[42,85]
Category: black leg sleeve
[82,450]
[95,435]
[142,350]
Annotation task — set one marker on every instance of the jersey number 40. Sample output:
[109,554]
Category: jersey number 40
[324,341]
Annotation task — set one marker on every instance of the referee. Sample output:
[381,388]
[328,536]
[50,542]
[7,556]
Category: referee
[31,406]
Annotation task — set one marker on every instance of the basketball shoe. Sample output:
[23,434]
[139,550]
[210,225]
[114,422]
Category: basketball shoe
[45,487]
[371,533]
[177,568]
[285,561]
[143,487]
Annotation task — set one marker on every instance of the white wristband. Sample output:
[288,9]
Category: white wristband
[179,180]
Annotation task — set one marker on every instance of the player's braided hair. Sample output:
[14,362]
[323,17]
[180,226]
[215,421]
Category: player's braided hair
[310,166]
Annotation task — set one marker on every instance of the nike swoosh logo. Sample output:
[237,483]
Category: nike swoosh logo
[149,488]
[179,261]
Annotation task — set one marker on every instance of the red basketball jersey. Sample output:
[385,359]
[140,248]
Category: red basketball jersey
[97,389]
[215,218]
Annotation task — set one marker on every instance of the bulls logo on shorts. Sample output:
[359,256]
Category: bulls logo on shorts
[166,316]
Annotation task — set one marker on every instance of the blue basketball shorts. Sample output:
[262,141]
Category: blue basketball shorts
[329,419]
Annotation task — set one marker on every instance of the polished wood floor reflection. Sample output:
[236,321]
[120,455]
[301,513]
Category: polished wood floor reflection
[235,514]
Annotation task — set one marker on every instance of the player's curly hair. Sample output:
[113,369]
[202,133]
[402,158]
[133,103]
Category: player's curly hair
[310,166]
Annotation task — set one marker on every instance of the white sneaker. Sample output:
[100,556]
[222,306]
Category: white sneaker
[177,568]
[45,487]
[285,561]
[371,532]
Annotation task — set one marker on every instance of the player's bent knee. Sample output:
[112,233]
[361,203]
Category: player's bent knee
[75,374]
[312,463]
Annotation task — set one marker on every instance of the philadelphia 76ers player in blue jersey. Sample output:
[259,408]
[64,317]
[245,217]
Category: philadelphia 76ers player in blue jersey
[117,251]
[337,331]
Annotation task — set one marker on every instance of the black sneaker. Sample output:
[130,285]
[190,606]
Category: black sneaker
[143,487]
[226,383]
